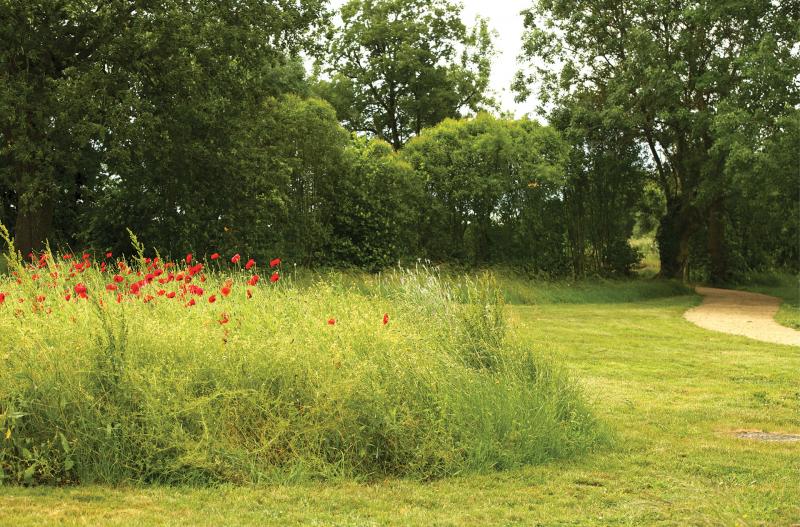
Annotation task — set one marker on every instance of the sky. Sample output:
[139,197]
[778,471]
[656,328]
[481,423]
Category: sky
[504,18]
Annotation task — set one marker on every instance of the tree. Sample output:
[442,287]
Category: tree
[137,98]
[488,182]
[374,213]
[397,66]
[672,72]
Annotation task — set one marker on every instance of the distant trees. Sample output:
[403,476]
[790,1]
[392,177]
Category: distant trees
[193,123]
[398,66]
[685,77]
[500,191]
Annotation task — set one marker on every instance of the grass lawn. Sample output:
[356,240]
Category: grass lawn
[671,393]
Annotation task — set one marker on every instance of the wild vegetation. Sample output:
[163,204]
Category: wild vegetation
[201,372]
[364,295]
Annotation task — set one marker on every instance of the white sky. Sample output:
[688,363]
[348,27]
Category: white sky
[505,20]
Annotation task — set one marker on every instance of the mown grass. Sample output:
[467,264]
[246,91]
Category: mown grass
[671,392]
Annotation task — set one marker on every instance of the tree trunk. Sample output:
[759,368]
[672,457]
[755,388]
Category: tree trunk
[716,243]
[34,224]
[673,238]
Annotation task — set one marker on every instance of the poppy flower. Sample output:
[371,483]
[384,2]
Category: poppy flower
[331,321]
[118,278]
[193,270]
[274,263]
[171,294]
[161,292]
[86,256]
[40,298]
[385,318]
[190,303]
[111,287]
[109,255]
[215,256]
[236,258]
[226,290]
[67,256]
[212,299]
[67,297]
[189,258]
[80,290]
[274,278]
[254,280]
[250,263]
[2,298]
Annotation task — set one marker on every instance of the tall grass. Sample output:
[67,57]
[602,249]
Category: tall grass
[95,391]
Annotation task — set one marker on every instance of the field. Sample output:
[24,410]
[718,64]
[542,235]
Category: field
[671,394]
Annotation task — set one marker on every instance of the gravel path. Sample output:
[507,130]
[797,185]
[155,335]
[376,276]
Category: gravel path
[741,313]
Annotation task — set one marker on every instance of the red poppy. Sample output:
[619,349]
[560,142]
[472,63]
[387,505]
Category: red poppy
[171,294]
[212,299]
[80,290]
[193,270]
[215,256]
[254,280]
[191,303]
[2,298]
[189,258]
[109,255]
[161,292]
[86,256]
[236,258]
[274,263]
[111,287]
[225,290]
[385,318]
[67,256]
[67,297]
[331,321]
[40,298]
[250,263]
[274,278]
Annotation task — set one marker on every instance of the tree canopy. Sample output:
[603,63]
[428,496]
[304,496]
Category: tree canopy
[684,76]
[398,66]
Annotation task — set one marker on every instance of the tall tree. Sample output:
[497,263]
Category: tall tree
[672,71]
[397,66]
[133,94]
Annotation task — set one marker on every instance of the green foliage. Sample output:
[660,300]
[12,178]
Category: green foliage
[145,392]
[374,209]
[135,112]
[683,79]
[398,66]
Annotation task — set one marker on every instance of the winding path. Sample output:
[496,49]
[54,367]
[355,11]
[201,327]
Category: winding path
[741,313]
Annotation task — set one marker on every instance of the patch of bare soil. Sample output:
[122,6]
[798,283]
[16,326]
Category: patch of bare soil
[769,436]
[741,313]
